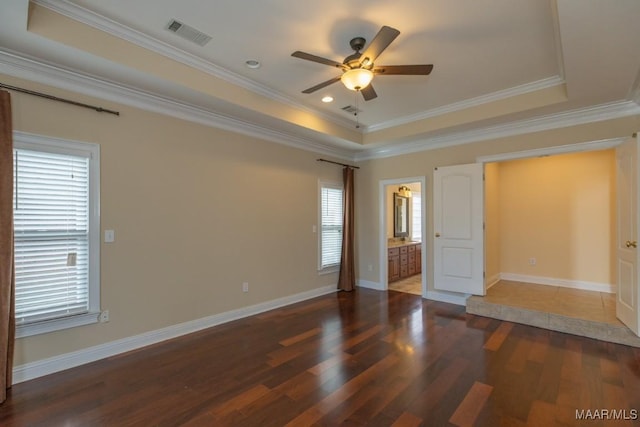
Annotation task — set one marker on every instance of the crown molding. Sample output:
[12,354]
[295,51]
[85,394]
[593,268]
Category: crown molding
[102,23]
[472,102]
[603,144]
[19,66]
[22,67]
[579,116]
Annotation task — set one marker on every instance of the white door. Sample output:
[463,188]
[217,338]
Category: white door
[627,309]
[458,204]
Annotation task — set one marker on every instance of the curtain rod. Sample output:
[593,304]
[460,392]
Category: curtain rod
[341,164]
[55,98]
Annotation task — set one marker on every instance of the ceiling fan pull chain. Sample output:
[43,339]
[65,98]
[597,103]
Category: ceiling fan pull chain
[356,112]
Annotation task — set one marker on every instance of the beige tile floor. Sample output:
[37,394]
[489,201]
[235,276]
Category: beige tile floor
[411,285]
[575,303]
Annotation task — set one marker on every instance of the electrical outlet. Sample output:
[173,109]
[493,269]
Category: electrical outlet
[245,287]
[104,316]
[532,261]
[109,236]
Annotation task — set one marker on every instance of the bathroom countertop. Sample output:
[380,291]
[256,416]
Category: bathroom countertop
[402,243]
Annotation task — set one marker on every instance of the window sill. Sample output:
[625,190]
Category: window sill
[56,324]
[329,270]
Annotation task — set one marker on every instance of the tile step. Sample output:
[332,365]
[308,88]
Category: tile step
[619,334]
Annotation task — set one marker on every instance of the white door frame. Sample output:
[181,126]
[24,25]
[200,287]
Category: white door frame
[383,255]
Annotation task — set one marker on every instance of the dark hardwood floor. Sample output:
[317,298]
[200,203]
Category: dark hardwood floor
[361,358]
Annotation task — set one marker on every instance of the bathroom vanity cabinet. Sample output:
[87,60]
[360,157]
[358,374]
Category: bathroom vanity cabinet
[405,259]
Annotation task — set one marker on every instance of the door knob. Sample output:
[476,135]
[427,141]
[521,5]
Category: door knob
[631,244]
[437,234]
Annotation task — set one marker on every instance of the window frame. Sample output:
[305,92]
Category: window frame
[91,151]
[330,268]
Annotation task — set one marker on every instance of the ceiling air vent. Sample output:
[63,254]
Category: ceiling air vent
[187,32]
[350,109]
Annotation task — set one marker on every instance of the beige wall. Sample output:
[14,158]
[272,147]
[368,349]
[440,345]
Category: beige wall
[492,222]
[422,164]
[558,210]
[196,211]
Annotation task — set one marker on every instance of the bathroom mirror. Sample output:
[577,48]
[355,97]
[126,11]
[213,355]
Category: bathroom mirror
[400,215]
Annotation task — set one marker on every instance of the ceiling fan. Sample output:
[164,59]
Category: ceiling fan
[358,68]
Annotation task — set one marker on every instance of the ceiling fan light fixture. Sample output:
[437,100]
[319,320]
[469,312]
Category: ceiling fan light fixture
[357,78]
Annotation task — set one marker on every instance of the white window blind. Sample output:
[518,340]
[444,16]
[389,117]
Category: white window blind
[416,216]
[331,225]
[51,225]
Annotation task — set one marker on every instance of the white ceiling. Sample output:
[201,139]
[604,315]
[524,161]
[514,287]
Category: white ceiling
[483,51]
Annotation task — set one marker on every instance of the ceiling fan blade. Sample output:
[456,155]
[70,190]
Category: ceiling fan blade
[368,93]
[379,43]
[318,59]
[413,70]
[321,85]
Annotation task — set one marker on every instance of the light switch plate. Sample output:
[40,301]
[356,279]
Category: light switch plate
[109,236]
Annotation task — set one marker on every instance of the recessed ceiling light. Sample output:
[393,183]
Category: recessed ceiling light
[252,63]
[327,99]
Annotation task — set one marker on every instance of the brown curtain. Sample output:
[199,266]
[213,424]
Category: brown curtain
[7,275]
[347,279]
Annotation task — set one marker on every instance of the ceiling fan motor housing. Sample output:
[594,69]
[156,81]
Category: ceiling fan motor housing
[353,60]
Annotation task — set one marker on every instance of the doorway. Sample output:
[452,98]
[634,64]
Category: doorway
[552,221]
[563,207]
[402,235]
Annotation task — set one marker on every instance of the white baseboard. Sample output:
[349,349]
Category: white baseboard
[54,364]
[457,299]
[489,282]
[370,285]
[550,281]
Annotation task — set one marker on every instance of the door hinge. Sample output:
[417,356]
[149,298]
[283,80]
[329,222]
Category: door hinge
[484,274]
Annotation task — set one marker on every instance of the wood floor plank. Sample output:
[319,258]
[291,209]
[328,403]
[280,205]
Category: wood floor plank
[329,363]
[497,338]
[572,361]
[435,390]
[373,407]
[468,410]
[407,420]
[519,357]
[360,358]
[610,371]
[345,345]
[301,337]
[240,401]
[538,350]
[541,414]
[327,404]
